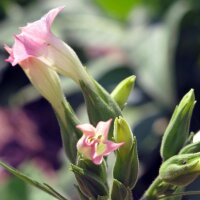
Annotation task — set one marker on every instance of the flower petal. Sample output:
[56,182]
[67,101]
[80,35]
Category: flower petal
[34,39]
[40,29]
[103,128]
[111,146]
[98,160]
[18,52]
[84,148]
[51,15]
[87,129]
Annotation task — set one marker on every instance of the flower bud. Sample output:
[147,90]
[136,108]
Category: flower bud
[177,131]
[121,93]
[181,169]
[126,156]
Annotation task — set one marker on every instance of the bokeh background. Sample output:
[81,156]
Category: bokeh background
[156,40]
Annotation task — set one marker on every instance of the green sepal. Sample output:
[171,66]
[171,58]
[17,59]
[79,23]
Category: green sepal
[121,93]
[177,190]
[89,183]
[81,194]
[98,170]
[102,198]
[159,188]
[177,131]
[100,105]
[191,148]
[180,169]
[69,133]
[120,191]
[42,186]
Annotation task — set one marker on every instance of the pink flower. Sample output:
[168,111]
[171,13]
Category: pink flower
[37,41]
[94,143]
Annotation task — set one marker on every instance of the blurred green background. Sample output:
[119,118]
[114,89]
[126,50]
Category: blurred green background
[157,40]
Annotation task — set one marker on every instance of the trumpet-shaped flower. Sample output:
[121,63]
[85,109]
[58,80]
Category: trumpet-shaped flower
[37,41]
[94,143]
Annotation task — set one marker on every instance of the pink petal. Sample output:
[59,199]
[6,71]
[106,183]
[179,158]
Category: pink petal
[8,49]
[87,129]
[20,50]
[103,128]
[84,148]
[98,160]
[40,29]
[111,146]
[33,39]
[23,48]
[51,15]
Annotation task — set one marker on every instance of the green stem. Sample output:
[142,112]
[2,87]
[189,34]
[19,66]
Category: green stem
[152,192]
[159,188]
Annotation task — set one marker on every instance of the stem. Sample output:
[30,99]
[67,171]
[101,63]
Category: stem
[187,193]
[159,189]
[152,192]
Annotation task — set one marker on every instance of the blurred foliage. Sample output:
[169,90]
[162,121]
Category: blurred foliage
[119,8]
[156,40]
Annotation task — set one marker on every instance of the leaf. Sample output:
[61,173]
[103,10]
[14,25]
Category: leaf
[118,8]
[42,186]
[14,189]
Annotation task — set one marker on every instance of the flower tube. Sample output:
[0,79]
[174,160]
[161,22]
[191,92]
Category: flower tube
[36,40]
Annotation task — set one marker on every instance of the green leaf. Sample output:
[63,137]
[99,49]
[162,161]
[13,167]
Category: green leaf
[14,189]
[42,186]
[118,8]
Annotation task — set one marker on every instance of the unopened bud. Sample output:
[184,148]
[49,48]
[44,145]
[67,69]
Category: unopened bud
[177,131]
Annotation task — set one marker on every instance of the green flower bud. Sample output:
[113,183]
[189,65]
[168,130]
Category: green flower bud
[126,155]
[178,129]
[100,105]
[181,170]
[121,93]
